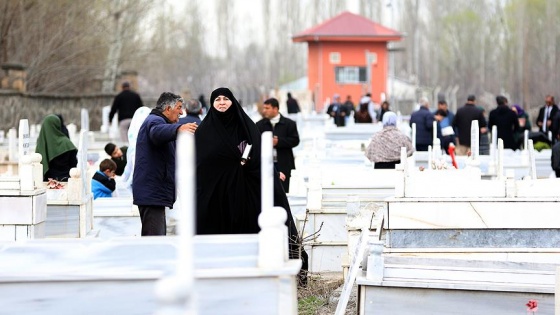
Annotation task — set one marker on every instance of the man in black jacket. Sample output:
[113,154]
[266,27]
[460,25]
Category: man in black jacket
[285,137]
[125,104]
[462,123]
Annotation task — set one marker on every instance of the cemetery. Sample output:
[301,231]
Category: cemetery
[458,235]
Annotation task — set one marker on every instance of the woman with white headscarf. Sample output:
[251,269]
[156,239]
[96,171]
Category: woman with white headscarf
[384,149]
[139,116]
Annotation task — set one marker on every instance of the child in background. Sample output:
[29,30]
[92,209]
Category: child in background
[103,181]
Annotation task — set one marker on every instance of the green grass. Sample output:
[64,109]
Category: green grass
[310,305]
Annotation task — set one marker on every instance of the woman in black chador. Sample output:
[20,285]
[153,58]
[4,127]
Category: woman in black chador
[229,187]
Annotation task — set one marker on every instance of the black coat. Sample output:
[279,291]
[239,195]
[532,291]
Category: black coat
[550,117]
[424,121]
[463,120]
[125,104]
[288,138]
[507,124]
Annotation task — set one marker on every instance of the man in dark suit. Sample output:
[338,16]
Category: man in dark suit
[285,137]
[546,114]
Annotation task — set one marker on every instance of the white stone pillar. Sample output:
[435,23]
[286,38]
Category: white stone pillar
[532,167]
[105,124]
[23,143]
[375,261]
[273,237]
[74,187]
[500,168]
[72,128]
[25,173]
[176,293]
[475,140]
[37,169]
[12,144]
[84,119]
[413,137]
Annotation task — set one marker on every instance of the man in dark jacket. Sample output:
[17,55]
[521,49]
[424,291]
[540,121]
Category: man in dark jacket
[424,121]
[462,124]
[125,104]
[153,185]
[546,114]
[193,109]
[285,137]
[506,122]
[292,103]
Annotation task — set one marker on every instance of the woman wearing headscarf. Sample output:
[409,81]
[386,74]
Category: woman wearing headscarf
[58,152]
[384,149]
[524,124]
[229,186]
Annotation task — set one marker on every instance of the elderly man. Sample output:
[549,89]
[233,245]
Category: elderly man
[153,185]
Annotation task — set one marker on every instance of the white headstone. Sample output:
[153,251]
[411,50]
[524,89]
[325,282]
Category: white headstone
[84,119]
[72,128]
[500,169]
[434,131]
[413,138]
[12,144]
[2,136]
[177,292]
[273,245]
[494,144]
[105,124]
[83,163]
[23,146]
[532,167]
[475,140]
[352,273]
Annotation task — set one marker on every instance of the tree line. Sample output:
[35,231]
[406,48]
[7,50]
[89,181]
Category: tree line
[79,46]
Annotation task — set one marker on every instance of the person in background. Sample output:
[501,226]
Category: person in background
[445,131]
[125,104]
[285,138]
[349,105]
[524,124]
[484,141]
[423,119]
[103,181]
[194,110]
[361,114]
[338,111]
[202,101]
[137,121]
[118,155]
[506,122]
[153,184]
[292,104]
[384,149]
[384,109]
[546,114]
[58,152]
[462,125]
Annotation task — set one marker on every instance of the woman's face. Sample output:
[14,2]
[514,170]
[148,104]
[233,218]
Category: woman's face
[222,103]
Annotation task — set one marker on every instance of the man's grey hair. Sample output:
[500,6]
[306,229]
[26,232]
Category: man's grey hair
[168,99]
[424,101]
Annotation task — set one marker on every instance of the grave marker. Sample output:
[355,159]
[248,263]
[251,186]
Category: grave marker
[354,268]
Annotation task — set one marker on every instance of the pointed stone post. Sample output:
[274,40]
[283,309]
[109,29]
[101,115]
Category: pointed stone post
[176,293]
[273,237]
[413,137]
